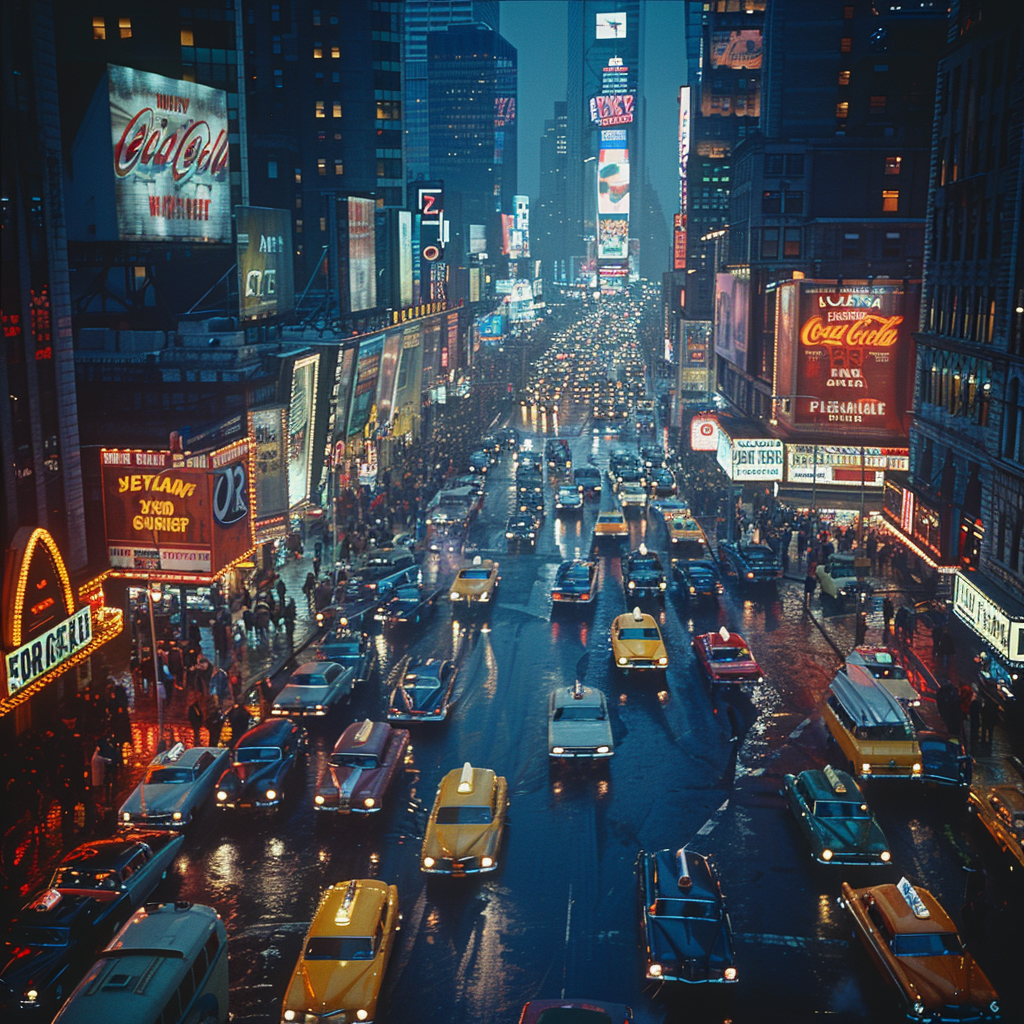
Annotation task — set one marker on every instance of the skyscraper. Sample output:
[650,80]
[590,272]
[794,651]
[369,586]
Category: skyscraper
[549,222]
[421,17]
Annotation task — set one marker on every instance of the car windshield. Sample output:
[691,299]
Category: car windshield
[609,519]
[475,574]
[685,908]
[639,633]
[758,555]
[344,759]
[840,809]
[684,525]
[579,713]
[339,648]
[469,815]
[578,575]
[886,671]
[246,755]
[928,944]
[73,878]
[307,681]
[730,654]
[403,594]
[168,776]
[644,563]
[33,935]
[336,947]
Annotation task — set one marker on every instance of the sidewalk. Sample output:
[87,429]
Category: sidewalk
[41,849]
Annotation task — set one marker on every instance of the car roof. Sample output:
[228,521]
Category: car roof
[187,758]
[375,741]
[106,853]
[1010,795]
[869,656]
[669,865]
[627,619]
[484,780]
[820,787]
[716,640]
[271,733]
[315,668]
[902,920]
[591,698]
[351,908]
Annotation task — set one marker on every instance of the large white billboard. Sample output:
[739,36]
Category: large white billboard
[170,149]
[362,259]
[611,25]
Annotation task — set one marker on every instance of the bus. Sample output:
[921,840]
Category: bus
[167,965]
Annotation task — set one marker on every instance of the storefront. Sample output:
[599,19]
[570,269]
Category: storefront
[995,616]
[917,522]
[51,630]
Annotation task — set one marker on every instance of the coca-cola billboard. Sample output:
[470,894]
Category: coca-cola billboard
[169,143]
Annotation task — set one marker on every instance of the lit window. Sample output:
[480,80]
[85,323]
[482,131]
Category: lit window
[278,78]
[791,242]
[99,28]
[125,25]
[323,223]
[187,38]
[892,164]
[337,108]
[339,167]
[298,202]
[842,110]
[298,227]
[877,104]
[890,201]
[319,108]
[380,169]
[271,168]
[844,77]
[318,51]
[321,165]
[335,52]
[275,12]
[848,11]
[316,17]
[298,175]
[845,44]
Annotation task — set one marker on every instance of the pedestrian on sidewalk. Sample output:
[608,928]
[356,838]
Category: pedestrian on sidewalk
[316,565]
[975,716]
[810,582]
[784,558]
[966,699]
[99,766]
[214,720]
[887,614]
[989,717]
[947,648]
[901,623]
[281,588]
[289,622]
[266,697]
[195,719]
[238,720]
[937,631]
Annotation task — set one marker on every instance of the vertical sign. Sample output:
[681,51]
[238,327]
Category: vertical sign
[679,255]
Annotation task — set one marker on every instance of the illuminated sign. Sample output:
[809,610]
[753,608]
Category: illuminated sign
[477,238]
[362,261]
[704,432]
[613,237]
[741,49]
[609,110]
[364,409]
[679,240]
[170,158]
[266,280]
[611,25]
[404,258]
[46,652]
[430,206]
[731,298]
[301,421]
[988,619]
[750,458]
[613,181]
[521,205]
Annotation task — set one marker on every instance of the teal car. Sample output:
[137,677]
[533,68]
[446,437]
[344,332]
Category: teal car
[832,813]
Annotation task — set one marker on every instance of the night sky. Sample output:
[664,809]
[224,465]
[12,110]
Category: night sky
[537,28]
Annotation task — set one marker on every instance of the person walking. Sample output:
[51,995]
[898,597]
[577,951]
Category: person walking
[238,722]
[266,697]
[887,613]
[975,717]
[281,589]
[98,767]
[989,717]
[214,720]
[289,622]
[901,624]
[195,719]
[810,583]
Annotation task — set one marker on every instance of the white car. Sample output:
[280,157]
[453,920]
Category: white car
[174,787]
[315,689]
[631,494]
[578,725]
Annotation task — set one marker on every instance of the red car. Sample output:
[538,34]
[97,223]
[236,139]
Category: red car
[726,658]
[574,1011]
[367,758]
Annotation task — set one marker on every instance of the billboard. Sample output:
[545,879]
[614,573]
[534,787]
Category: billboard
[266,277]
[750,458]
[841,464]
[520,301]
[168,514]
[612,237]
[845,352]
[704,432]
[696,340]
[634,260]
[503,287]
[404,258]
[614,109]
[268,427]
[477,238]
[490,328]
[362,263]
[611,25]
[364,396]
[429,200]
[739,49]
[679,221]
[301,419]
[612,181]
[170,149]
[521,205]
[731,319]
[386,378]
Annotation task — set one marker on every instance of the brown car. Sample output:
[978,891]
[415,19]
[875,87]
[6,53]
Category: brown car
[1000,809]
[915,946]
[367,758]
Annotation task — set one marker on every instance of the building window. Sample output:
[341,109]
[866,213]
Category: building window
[791,243]
[99,28]
[891,245]
[125,27]
[275,12]
[842,110]
[771,202]
[298,227]
[298,175]
[844,77]
[845,44]
[769,243]
[877,104]
[323,223]
[298,202]
[321,165]
[335,52]
[339,167]
[848,12]
[318,51]
[316,19]
[187,39]
[319,108]
[851,245]
[271,168]
[336,109]
[278,78]
[893,164]
[793,202]
[794,163]
[773,163]
[890,201]
[275,44]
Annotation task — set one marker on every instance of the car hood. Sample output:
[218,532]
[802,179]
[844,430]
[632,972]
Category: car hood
[849,835]
[580,734]
[459,841]
[646,576]
[949,979]
[244,776]
[641,648]
[680,939]
[324,986]
[473,587]
[20,965]
[301,696]
[158,799]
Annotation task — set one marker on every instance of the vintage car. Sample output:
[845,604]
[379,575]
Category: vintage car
[410,603]
[880,664]
[589,478]
[1000,684]
[382,571]
[833,815]
[530,501]
[611,525]
[491,443]
[652,456]
[642,574]
[637,643]
[623,462]
[263,763]
[944,762]
[578,724]
[509,438]
[726,658]
[366,760]
[575,583]
[749,563]
[916,948]
[632,495]
[350,648]
[423,693]
[176,785]
[1000,809]
[521,531]
[696,578]
[663,483]
[666,509]
[574,1011]
[558,454]
[315,689]
[838,577]
[480,461]
[687,934]
[466,823]
[684,529]
[568,500]
[475,584]
[344,956]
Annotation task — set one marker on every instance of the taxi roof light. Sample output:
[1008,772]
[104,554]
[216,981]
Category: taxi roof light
[577,690]
[638,616]
[685,881]
[363,734]
[175,752]
[344,915]
[643,549]
[913,900]
[466,779]
[724,634]
[838,786]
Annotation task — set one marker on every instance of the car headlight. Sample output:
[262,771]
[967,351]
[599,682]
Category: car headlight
[369,802]
[271,794]
[729,974]
[760,679]
[603,750]
[176,815]
[631,585]
[827,854]
[918,1007]
[654,970]
[454,596]
[886,856]
[31,995]
[662,584]
[319,707]
[623,661]
[750,575]
[289,1015]
[487,862]
[663,661]
[126,816]
[361,1015]
[532,535]
[865,769]
[221,794]
[508,535]
[693,590]
[916,768]
[318,799]
[558,750]
[428,862]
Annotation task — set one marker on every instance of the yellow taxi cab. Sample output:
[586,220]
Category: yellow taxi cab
[346,951]
[476,583]
[915,946]
[1000,809]
[684,528]
[611,524]
[637,642]
[466,823]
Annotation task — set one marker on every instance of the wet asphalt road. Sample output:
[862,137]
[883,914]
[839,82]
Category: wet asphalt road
[560,915]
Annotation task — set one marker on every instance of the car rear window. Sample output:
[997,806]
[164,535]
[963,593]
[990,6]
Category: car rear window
[168,776]
[573,1015]
[927,944]
[685,908]
[347,760]
[245,755]
[475,574]
[579,713]
[730,654]
[468,815]
[334,947]
[840,809]
[639,633]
